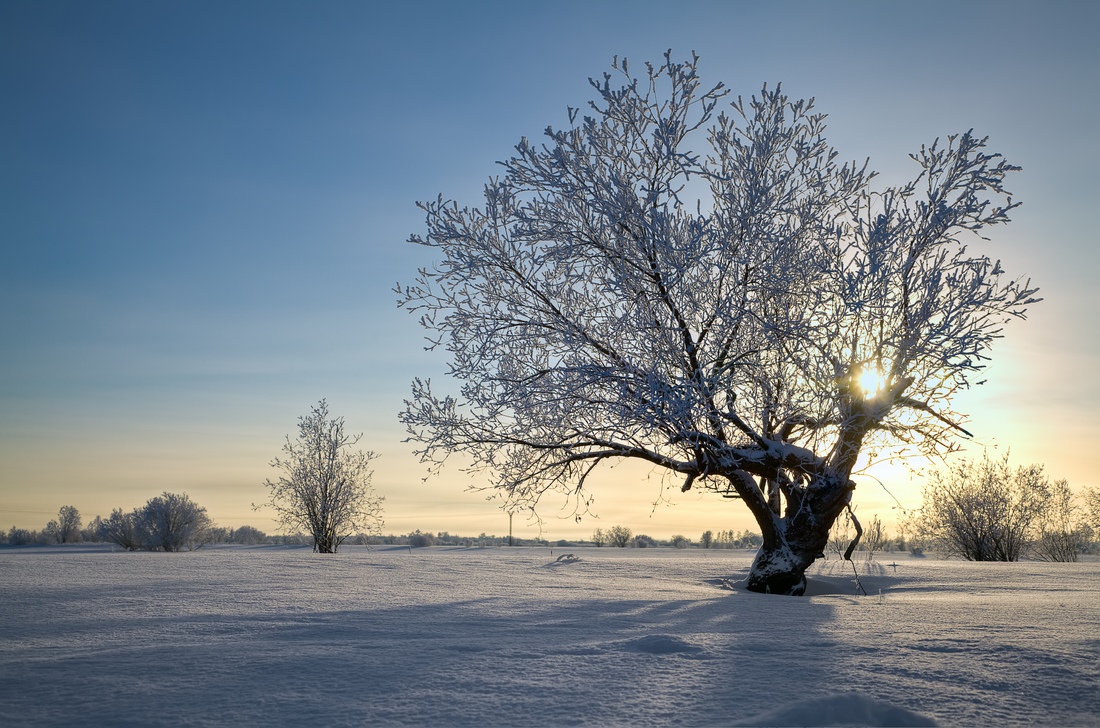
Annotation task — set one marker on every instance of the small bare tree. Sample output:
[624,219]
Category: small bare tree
[599,538]
[325,486]
[874,537]
[983,510]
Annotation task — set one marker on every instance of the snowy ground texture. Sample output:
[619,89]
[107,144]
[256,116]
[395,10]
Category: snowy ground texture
[512,637]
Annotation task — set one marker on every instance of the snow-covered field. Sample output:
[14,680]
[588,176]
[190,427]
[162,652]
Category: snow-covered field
[501,636]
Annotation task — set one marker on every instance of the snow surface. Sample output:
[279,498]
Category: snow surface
[442,636]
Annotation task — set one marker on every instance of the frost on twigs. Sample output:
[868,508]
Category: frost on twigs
[696,281]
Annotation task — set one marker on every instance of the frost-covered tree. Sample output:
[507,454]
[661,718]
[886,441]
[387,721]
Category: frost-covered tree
[21,536]
[1064,532]
[619,536]
[695,281]
[325,487]
[417,539]
[247,535]
[874,537]
[50,534]
[68,525]
[173,522]
[1092,508]
[123,529]
[983,510]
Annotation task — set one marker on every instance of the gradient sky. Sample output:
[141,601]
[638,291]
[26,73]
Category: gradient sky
[203,209]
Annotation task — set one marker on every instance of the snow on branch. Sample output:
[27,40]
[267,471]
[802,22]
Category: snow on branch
[693,280]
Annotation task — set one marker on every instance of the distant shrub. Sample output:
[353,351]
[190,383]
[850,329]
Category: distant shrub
[417,539]
[123,529]
[619,536]
[247,535]
[21,537]
[174,522]
[874,537]
[217,534]
[168,522]
[982,510]
[1064,533]
[733,540]
[680,542]
[68,525]
[49,535]
[91,531]
[641,541]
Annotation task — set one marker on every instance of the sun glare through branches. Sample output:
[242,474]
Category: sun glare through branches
[871,381]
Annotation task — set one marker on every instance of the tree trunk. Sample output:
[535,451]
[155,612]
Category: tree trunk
[778,570]
[323,543]
[792,543]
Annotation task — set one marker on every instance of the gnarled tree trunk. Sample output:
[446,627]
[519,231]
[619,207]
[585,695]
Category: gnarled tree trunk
[796,539]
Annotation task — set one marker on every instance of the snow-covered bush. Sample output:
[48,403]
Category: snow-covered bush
[68,525]
[90,532]
[49,535]
[168,522]
[21,537]
[123,529]
[733,540]
[619,536]
[247,535]
[982,510]
[173,522]
[1064,533]
[419,539]
[217,534]
[1092,508]
[874,537]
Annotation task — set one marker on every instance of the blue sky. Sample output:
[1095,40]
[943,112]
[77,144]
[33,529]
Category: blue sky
[203,209]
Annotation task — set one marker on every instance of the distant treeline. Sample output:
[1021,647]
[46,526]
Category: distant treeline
[173,522]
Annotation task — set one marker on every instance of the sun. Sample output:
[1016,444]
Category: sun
[871,381]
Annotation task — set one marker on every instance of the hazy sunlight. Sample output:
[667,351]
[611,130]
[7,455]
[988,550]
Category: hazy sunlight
[871,381]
